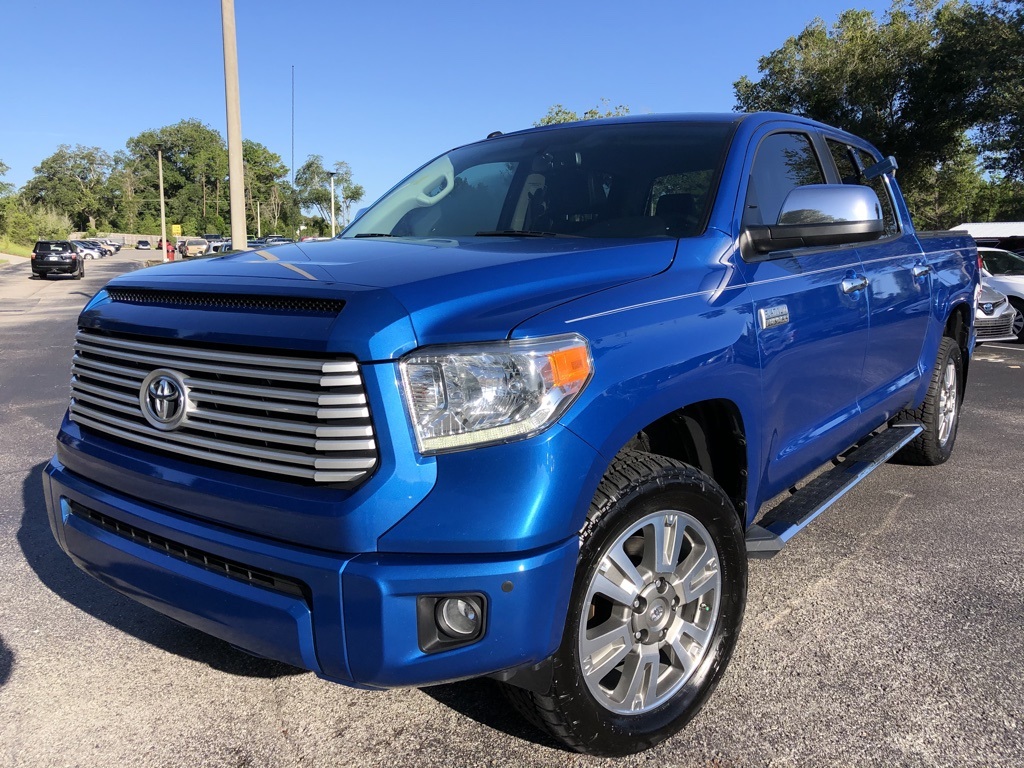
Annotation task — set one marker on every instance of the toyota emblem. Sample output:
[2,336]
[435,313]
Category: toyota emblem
[164,399]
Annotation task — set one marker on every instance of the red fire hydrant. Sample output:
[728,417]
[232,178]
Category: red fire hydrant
[170,251]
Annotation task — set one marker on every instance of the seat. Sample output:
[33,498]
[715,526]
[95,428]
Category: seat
[679,212]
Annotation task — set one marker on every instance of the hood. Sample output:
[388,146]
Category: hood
[398,294]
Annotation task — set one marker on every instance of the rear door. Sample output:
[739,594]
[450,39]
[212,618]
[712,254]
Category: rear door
[899,292]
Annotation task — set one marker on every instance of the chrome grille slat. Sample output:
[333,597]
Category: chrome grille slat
[158,361]
[212,445]
[77,385]
[78,372]
[273,392]
[277,425]
[325,366]
[95,365]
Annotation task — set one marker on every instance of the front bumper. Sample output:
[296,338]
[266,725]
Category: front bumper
[349,618]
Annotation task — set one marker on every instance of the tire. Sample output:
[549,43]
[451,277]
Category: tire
[1018,324]
[940,412]
[647,636]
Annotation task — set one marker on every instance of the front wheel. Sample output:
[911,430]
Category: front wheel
[655,611]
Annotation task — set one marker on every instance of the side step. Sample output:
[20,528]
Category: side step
[768,537]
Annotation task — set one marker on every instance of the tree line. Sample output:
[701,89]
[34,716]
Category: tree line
[88,189]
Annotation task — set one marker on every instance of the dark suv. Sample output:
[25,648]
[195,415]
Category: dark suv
[57,257]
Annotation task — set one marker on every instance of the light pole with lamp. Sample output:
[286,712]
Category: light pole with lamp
[332,174]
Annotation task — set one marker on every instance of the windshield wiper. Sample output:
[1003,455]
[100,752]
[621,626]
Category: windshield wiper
[520,233]
[375,234]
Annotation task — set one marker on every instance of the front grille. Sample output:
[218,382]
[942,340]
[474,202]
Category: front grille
[254,576]
[994,327]
[229,301]
[297,416]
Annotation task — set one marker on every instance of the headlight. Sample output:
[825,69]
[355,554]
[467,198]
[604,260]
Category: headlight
[477,394]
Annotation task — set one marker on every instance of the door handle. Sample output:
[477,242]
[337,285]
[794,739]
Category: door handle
[854,284]
[921,270]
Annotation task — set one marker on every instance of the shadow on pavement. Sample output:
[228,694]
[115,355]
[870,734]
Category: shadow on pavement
[481,700]
[6,662]
[65,580]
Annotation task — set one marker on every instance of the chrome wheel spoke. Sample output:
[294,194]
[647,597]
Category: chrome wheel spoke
[640,677]
[698,574]
[602,653]
[617,578]
[665,544]
[682,656]
[699,635]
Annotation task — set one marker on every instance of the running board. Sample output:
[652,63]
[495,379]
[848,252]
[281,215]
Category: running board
[768,537]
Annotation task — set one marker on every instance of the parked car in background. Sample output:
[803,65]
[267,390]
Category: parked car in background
[102,247]
[87,250]
[996,318]
[57,257]
[115,246]
[143,245]
[192,246]
[1004,271]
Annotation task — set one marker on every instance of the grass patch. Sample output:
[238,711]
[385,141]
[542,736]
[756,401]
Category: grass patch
[13,249]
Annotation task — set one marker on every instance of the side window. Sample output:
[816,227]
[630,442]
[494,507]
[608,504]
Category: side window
[783,161]
[850,161]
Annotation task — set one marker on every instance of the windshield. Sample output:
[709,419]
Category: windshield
[1002,262]
[596,180]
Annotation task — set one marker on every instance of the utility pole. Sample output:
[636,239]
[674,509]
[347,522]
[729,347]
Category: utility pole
[259,221]
[332,174]
[234,110]
[163,212]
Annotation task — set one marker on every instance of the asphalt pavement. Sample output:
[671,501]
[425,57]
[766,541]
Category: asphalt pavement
[889,633]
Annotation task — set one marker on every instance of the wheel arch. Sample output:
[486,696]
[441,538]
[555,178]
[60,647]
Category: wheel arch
[709,435]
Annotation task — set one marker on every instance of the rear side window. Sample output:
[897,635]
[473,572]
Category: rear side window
[783,162]
[851,162]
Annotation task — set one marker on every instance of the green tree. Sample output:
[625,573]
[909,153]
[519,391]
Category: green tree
[5,187]
[947,194]
[313,186]
[914,84]
[265,179]
[70,181]
[991,40]
[559,114]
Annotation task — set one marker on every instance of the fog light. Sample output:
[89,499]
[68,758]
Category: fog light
[458,617]
[444,622]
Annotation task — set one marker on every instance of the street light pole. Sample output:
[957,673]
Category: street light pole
[163,212]
[234,110]
[332,174]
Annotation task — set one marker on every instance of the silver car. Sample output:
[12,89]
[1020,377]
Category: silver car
[996,319]
[87,250]
[1003,271]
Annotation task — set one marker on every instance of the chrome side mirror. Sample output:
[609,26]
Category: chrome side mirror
[820,215]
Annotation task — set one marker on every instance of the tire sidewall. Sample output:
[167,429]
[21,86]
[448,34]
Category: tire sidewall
[610,733]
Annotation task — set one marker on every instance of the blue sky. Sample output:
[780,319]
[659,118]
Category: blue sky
[384,86]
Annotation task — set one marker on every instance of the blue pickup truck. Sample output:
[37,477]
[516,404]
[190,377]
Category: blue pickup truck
[524,419]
